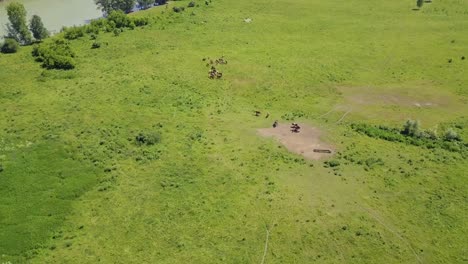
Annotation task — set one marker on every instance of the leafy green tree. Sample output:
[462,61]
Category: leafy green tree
[419,3]
[411,128]
[9,46]
[37,28]
[17,28]
[109,5]
[144,4]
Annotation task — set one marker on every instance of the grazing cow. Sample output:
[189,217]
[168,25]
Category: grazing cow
[275,124]
[257,113]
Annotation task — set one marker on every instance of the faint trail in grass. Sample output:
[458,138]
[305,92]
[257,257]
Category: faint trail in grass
[393,231]
[345,114]
[326,113]
[266,245]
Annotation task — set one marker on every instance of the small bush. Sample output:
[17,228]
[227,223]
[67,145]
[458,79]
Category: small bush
[332,163]
[147,139]
[191,4]
[10,46]
[117,32]
[451,135]
[96,45]
[178,9]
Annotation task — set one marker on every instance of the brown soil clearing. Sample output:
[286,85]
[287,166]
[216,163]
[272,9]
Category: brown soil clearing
[302,143]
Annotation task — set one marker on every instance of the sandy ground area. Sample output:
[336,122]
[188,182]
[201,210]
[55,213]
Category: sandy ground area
[302,143]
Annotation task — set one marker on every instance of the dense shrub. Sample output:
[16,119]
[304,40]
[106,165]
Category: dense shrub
[332,163]
[55,55]
[178,9]
[96,45]
[411,128]
[140,21]
[191,4]
[9,46]
[147,139]
[120,19]
[73,32]
[451,135]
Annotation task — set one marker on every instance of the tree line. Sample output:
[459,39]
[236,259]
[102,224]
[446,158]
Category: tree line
[107,6]
[19,31]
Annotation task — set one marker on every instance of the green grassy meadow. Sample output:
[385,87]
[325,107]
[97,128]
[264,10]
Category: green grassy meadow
[76,188]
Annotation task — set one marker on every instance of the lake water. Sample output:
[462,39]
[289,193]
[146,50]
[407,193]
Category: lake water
[54,13]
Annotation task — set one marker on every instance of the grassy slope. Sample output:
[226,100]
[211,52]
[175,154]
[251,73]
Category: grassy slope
[207,192]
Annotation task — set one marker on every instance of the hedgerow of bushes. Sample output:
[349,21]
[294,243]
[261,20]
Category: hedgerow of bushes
[411,134]
[58,54]
[115,20]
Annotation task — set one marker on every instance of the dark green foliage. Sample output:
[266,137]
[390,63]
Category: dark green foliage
[119,18]
[9,46]
[191,4]
[96,45]
[419,3]
[178,9]
[332,163]
[117,32]
[140,21]
[73,32]
[1,168]
[411,128]
[108,6]
[427,138]
[55,55]
[147,139]
[37,28]
[17,28]
[451,135]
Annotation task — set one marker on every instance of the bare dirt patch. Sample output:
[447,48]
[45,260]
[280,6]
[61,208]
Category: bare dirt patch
[302,143]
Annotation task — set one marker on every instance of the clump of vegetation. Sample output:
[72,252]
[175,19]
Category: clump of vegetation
[37,28]
[96,45]
[108,6]
[293,115]
[178,9]
[73,32]
[419,3]
[9,46]
[55,55]
[451,135]
[413,135]
[147,139]
[191,4]
[332,163]
[411,128]
[17,28]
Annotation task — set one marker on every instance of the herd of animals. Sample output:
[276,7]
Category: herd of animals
[214,73]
